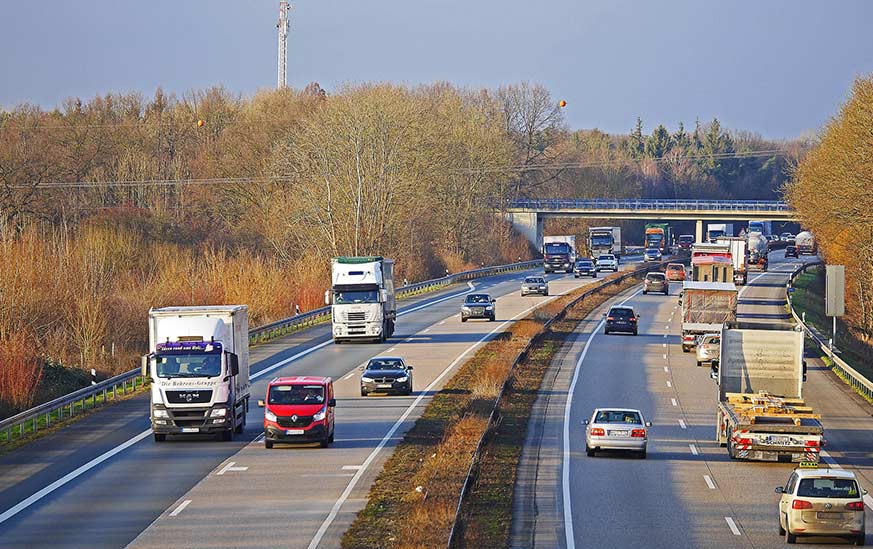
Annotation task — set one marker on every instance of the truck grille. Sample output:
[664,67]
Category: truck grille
[189,418]
[356,316]
[286,421]
[189,397]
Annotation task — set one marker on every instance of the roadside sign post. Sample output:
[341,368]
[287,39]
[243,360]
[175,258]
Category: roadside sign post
[835,296]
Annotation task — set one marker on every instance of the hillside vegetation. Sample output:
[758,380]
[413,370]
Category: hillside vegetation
[116,204]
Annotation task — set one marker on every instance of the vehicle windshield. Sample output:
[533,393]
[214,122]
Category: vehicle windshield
[617,416]
[657,277]
[296,394]
[652,251]
[601,240]
[584,264]
[385,364]
[356,296]
[557,248]
[478,298]
[675,268]
[606,257]
[828,488]
[621,313]
[533,280]
[194,365]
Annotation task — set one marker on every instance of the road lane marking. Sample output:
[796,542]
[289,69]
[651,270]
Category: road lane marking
[693,449]
[470,284]
[667,328]
[569,540]
[733,526]
[400,421]
[24,504]
[351,467]
[682,424]
[349,376]
[442,322]
[673,402]
[709,482]
[230,468]
[331,475]
[667,369]
[665,357]
[665,336]
[426,330]
[180,508]
[392,348]
[664,345]
[669,384]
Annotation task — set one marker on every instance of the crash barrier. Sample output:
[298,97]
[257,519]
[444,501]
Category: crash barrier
[849,375]
[473,471]
[63,408]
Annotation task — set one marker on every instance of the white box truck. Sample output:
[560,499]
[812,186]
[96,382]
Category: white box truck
[362,299]
[559,253]
[761,412]
[198,363]
[604,240]
[739,256]
[715,231]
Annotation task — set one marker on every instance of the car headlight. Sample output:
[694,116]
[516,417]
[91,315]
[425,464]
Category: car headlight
[465,309]
[489,308]
[161,413]
[269,416]
[403,379]
[367,379]
[218,412]
[319,415]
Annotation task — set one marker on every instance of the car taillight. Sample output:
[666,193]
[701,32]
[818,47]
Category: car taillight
[633,319]
[855,506]
[597,432]
[812,443]
[801,504]
[638,433]
[610,319]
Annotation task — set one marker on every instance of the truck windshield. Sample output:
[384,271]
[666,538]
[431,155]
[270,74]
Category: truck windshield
[199,365]
[601,240]
[558,248]
[356,296]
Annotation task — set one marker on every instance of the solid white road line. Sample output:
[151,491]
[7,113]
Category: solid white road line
[693,449]
[682,424]
[350,374]
[357,476]
[673,402]
[570,542]
[709,482]
[669,384]
[733,526]
[351,467]
[15,509]
[180,508]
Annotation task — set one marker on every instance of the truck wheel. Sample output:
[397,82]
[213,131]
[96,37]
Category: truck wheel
[685,349]
[160,437]
[645,292]
[226,436]
[268,444]
[594,274]
[242,424]
[861,540]
[390,328]
[463,319]
[699,364]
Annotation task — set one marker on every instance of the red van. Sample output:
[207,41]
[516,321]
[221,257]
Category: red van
[299,409]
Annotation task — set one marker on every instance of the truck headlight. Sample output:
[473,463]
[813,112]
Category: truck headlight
[218,412]
[367,379]
[319,415]
[160,413]
[269,416]
[403,379]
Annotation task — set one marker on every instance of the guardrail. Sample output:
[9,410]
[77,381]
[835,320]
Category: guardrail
[653,204]
[65,407]
[472,472]
[849,375]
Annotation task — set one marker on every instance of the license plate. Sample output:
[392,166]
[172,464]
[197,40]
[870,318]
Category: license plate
[829,516]
[190,429]
[617,433]
[384,386]
[294,432]
[777,440]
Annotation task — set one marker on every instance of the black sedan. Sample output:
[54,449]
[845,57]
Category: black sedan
[621,319]
[791,250]
[386,374]
[478,306]
[584,267]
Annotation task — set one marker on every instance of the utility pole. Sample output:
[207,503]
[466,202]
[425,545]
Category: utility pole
[282,25]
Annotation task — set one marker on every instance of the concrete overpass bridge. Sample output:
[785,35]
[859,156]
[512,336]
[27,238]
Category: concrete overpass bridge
[527,215]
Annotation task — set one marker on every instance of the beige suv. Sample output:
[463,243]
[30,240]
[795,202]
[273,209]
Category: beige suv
[656,282]
[822,502]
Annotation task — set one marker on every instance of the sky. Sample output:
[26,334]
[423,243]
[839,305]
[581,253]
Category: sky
[778,68]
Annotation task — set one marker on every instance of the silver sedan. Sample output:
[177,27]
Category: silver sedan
[616,429]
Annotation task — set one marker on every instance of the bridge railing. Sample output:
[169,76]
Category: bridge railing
[649,204]
[73,404]
[849,375]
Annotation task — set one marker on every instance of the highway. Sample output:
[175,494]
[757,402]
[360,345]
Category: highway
[103,482]
[687,493]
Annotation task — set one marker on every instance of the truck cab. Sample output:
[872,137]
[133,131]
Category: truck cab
[299,409]
[362,298]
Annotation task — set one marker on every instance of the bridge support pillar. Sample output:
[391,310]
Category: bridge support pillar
[698,231]
[530,224]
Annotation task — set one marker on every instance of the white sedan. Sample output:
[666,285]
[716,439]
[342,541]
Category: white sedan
[616,429]
[607,262]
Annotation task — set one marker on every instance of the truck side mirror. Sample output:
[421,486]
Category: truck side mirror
[804,370]
[332,403]
[261,404]
[145,365]
[233,360]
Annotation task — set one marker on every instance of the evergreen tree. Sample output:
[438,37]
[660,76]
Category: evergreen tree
[658,145]
[636,144]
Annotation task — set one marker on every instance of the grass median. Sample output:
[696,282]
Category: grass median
[415,497]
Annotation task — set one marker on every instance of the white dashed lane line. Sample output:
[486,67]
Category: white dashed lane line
[180,508]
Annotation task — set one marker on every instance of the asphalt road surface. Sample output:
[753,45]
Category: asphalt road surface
[103,482]
[687,493]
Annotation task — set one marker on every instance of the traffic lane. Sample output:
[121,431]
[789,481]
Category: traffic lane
[747,487]
[28,525]
[630,371]
[320,477]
